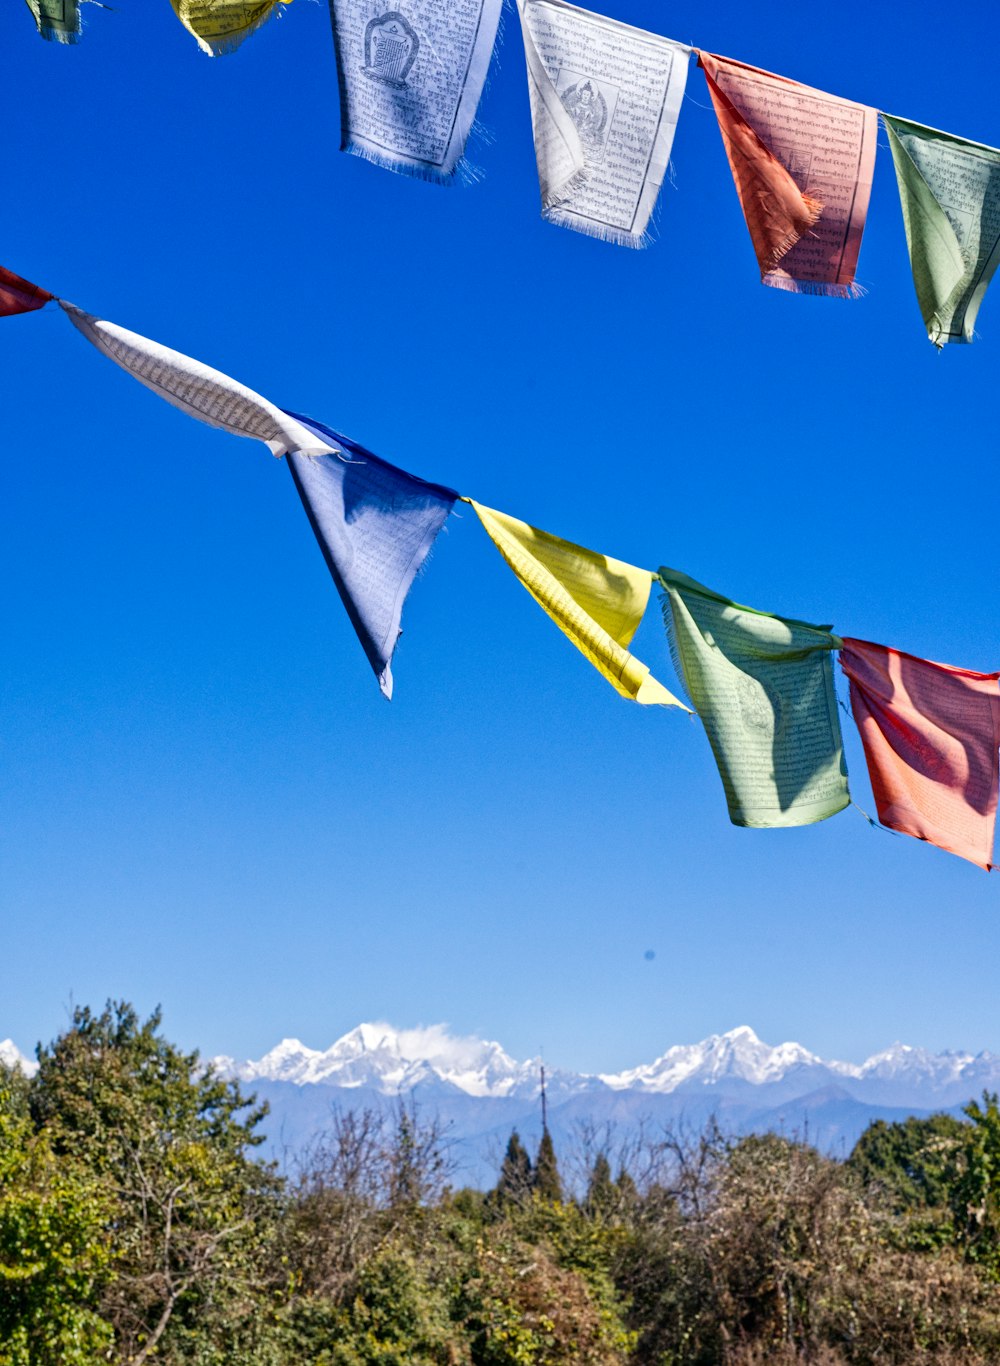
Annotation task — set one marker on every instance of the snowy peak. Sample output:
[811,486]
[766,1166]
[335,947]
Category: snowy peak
[738,1055]
[392,1060]
[377,1056]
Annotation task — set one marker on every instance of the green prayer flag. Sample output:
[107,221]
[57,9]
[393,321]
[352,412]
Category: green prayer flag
[950,192]
[57,20]
[763,687]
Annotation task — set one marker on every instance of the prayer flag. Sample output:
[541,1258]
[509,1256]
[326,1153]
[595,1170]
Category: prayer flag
[605,99]
[219,26]
[763,687]
[196,389]
[20,296]
[802,162]
[375,525]
[931,734]
[950,193]
[57,20]
[410,80]
[596,601]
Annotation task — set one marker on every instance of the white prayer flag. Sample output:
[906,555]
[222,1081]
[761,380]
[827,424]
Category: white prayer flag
[605,99]
[410,79]
[197,389]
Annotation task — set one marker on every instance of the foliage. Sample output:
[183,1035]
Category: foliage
[914,1166]
[515,1173]
[54,1252]
[137,1225]
[171,1145]
[545,1180]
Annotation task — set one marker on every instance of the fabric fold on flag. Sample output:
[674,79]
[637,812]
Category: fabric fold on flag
[410,80]
[763,687]
[20,296]
[196,389]
[802,162]
[596,601]
[375,525]
[605,99]
[220,26]
[949,189]
[57,20]
[931,735]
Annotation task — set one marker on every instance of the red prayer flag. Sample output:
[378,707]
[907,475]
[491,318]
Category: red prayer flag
[20,296]
[802,161]
[931,734]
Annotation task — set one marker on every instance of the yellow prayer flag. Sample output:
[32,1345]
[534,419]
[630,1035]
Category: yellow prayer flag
[596,601]
[221,25]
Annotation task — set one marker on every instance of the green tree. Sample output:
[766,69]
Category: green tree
[545,1178]
[515,1173]
[601,1199]
[977,1190]
[913,1162]
[54,1249]
[172,1144]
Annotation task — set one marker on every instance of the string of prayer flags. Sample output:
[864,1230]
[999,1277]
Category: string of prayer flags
[596,601]
[949,189]
[410,82]
[802,162]
[196,389]
[20,296]
[57,20]
[375,525]
[220,26]
[605,99]
[931,735]
[763,687]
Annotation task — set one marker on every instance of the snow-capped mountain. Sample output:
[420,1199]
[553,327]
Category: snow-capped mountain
[736,1056]
[391,1061]
[380,1058]
[478,1092]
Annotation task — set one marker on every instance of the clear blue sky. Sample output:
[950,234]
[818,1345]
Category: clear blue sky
[206,802]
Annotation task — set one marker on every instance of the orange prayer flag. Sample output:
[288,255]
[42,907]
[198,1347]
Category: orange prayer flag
[19,296]
[931,734]
[802,161]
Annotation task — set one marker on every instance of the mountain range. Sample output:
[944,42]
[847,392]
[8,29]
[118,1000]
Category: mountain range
[478,1092]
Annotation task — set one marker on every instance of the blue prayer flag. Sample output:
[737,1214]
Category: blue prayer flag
[375,525]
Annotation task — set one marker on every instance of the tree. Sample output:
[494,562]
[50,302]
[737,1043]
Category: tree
[977,1190]
[601,1198]
[192,1211]
[545,1178]
[54,1248]
[515,1173]
[913,1162]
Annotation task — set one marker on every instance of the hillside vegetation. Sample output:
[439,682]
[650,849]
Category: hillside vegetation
[138,1225]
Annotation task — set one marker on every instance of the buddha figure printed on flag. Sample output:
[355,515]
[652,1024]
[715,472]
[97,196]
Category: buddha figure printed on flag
[591,106]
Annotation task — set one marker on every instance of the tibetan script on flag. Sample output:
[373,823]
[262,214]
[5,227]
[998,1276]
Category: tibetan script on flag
[802,162]
[763,687]
[931,734]
[410,79]
[605,99]
[950,193]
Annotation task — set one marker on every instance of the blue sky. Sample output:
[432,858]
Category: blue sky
[206,802]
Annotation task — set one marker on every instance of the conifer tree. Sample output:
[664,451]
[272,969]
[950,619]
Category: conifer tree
[515,1173]
[627,1191]
[545,1181]
[601,1195]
